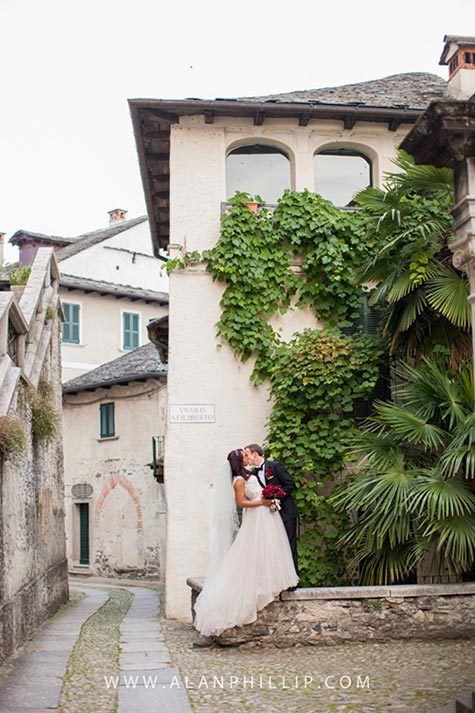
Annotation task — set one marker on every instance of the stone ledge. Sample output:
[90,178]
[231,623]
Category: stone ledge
[336,615]
[395,591]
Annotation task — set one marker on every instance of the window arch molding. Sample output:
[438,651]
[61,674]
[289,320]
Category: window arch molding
[350,149]
[364,149]
[278,147]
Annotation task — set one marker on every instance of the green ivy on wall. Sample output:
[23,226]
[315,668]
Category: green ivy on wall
[314,382]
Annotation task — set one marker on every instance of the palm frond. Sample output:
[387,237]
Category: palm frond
[456,536]
[386,566]
[432,391]
[412,309]
[459,457]
[424,179]
[439,499]
[408,426]
[448,294]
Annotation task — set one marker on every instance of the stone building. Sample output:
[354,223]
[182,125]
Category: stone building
[113,434]
[194,154]
[33,567]
[110,286]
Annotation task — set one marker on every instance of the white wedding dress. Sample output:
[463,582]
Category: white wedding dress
[255,570]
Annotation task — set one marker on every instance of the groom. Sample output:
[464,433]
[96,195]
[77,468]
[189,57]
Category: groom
[270,472]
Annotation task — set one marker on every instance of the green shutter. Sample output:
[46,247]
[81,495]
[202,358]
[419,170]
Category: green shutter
[71,323]
[130,325]
[107,420]
[135,331]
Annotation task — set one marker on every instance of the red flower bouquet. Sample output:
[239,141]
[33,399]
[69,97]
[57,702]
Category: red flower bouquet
[273,492]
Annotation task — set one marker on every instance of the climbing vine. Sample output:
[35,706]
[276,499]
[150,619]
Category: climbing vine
[314,384]
[254,262]
[303,254]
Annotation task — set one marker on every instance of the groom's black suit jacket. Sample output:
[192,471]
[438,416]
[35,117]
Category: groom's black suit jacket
[274,473]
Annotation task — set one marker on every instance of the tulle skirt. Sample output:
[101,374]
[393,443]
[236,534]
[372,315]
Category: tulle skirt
[256,569]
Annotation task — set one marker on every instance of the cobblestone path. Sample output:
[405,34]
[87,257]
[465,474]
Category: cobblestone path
[402,677]
[96,650]
[115,631]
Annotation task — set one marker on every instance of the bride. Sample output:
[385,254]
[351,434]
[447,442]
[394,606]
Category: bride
[246,574]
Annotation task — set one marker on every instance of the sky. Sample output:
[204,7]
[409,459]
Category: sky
[67,149]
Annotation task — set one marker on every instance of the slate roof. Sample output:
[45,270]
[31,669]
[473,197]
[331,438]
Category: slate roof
[72,245]
[413,90]
[82,242]
[137,365]
[26,236]
[85,284]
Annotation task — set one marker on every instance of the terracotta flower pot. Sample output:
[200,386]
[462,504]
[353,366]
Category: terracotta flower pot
[253,206]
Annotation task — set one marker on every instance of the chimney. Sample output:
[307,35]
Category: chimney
[459,54]
[117,214]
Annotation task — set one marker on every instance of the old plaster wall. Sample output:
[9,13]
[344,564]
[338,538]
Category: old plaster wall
[199,372]
[125,259]
[127,505]
[33,568]
[100,329]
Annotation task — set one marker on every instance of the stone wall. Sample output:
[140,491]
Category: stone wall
[335,615]
[33,571]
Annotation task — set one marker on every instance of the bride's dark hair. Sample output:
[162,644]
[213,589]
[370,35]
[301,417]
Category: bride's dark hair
[237,464]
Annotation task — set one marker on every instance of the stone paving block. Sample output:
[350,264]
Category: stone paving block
[152,629]
[26,677]
[21,709]
[137,645]
[54,643]
[168,675]
[130,635]
[142,660]
[24,697]
[165,700]
[37,664]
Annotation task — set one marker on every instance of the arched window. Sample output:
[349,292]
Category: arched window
[340,173]
[259,170]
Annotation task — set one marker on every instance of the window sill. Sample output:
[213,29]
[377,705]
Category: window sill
[108,438]
[73,344]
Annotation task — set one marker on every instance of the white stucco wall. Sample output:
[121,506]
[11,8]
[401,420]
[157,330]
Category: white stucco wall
[125,259]
[127,507]
[199,372]
[101,329]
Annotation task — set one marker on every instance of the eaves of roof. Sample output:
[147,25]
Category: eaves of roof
[84,284]
[106,383]
[138,365]
[26,236]
[444,135]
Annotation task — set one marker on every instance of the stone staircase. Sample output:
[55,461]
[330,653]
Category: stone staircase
[26,326]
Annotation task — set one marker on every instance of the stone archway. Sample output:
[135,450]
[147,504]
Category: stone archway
[118,529]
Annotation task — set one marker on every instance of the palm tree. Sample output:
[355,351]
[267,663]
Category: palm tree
[414,497]
[412,274]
